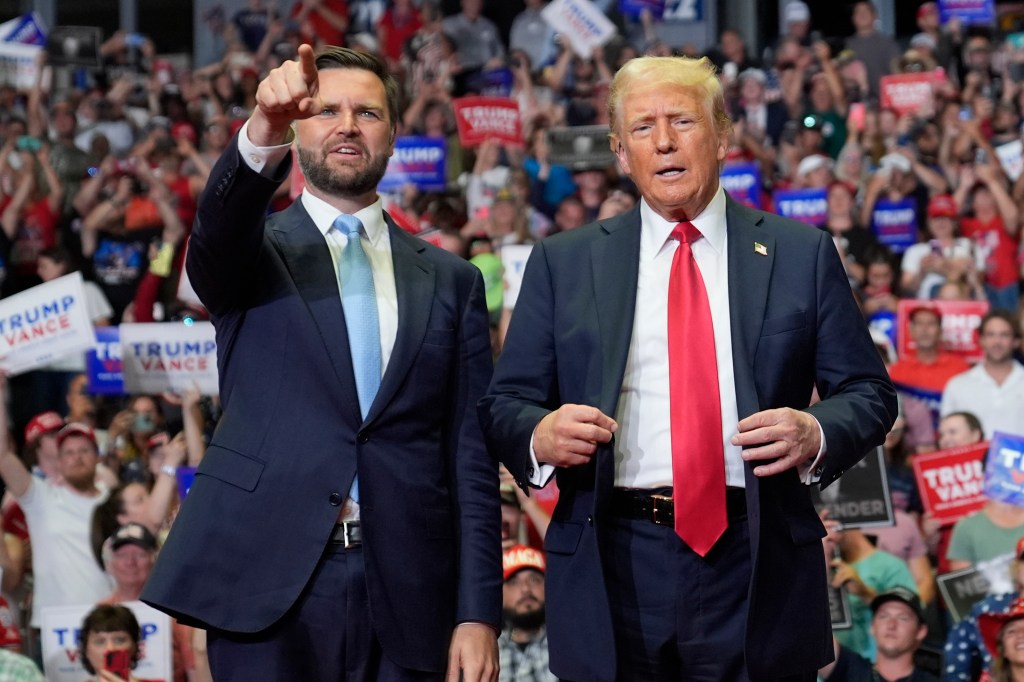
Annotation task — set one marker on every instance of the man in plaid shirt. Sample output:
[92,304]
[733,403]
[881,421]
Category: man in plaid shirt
[523,644]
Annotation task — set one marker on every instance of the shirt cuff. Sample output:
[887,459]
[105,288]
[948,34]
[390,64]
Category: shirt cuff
[538,474]
[810,473]
[263,160]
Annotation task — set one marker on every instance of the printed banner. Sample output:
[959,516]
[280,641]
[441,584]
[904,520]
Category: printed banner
[743,183]
[952,481]
[1004,469]
[45,323]
[513,258]
[895,223]
[1011,158]
[960,320]
[633,8]
[961,590]
[581,22]
[860,498]
[968,11]
[486,118]
[907,92]
[492,83]
[169,356]
[21,40]
[418,161]
[806,205]
[684,11]
[61,659]
[103,363]
[885,322]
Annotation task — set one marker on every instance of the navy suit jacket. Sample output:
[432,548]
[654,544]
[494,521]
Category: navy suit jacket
[795,325]
[268,491]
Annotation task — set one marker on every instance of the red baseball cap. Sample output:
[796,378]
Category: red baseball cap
[518,557]
[41,424]
[926,9]
[76,429]
[925,308]
[942,206]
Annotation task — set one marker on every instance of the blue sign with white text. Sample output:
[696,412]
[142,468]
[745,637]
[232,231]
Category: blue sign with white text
[103,363]
[1004,469]
[895,223]
[419,161]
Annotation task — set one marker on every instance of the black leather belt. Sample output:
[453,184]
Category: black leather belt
[347,534]
[656,505]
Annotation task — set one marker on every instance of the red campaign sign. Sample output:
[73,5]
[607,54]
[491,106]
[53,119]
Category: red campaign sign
[952,482]
[906,92]
[960,320]
[488,118]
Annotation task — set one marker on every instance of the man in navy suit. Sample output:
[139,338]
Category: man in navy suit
[344,523]
[655,573]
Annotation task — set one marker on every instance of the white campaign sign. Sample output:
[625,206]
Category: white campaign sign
[169,356]
[581,22]
[513,258]
[43,324]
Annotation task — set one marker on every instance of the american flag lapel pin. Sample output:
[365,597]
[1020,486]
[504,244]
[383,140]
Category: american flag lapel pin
[760,249]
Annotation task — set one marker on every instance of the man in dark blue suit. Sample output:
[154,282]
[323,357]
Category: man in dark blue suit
[344,523]
[674,406]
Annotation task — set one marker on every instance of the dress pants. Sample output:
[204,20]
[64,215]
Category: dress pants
[326,636]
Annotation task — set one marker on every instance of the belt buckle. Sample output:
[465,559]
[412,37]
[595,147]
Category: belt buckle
[656,501]
[347,531]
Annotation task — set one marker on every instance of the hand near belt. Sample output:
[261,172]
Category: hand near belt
[569,436]
[788,436]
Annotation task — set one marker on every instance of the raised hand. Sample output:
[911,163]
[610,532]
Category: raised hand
[290,92]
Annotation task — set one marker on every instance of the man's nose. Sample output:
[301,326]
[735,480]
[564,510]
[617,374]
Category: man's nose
[664,138]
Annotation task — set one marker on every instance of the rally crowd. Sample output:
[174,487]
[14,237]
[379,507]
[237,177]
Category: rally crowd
[102,174]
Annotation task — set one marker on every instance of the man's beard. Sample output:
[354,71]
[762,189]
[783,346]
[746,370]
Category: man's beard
[345,182]
[530,620]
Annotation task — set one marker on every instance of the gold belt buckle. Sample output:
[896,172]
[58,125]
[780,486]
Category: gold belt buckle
[656,501]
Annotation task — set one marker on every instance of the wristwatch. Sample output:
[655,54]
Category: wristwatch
[169,470]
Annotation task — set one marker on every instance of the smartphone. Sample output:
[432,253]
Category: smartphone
[27,143]
[857,114]
[134,40]
[119,663]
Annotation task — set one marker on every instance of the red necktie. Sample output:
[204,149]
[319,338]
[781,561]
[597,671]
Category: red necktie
[698,461]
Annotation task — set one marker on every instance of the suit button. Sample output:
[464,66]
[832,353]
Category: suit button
[363,437]
[335,499]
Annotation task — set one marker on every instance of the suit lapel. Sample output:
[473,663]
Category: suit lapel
[308,259]
[414,285]
[751,256]
[615,267]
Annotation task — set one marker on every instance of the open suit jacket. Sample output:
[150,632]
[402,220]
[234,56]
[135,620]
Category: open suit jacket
[795,324]
[268,491]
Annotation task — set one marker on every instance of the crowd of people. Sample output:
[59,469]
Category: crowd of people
[103,175]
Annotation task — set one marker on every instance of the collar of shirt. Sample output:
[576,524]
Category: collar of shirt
[710,223]
[323,215]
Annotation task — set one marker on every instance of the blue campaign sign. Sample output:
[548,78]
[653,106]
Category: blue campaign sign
[493,83]
[684,10]
[185,476]
[968,11]
[633,8]
[103,363]
[885,322]
[1004,469]
[417,160]
[895,223]
[743,183]
[806,205]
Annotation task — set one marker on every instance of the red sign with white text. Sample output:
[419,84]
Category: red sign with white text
[488,118]
[952,482]
[960,320]
[906,92]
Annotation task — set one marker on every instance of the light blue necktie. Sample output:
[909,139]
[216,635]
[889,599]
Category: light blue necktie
[359,300]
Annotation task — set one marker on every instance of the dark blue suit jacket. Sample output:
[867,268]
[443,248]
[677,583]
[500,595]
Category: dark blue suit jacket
[795,325]
[267,494]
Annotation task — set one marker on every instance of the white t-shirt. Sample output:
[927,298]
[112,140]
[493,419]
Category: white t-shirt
[65,570]
[912,257]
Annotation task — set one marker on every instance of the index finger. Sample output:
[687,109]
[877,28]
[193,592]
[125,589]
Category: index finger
[592,415]
[307,64]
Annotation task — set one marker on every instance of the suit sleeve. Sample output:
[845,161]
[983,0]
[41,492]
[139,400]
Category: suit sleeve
[858,401]
[524,388]
[475,472]
[227,238]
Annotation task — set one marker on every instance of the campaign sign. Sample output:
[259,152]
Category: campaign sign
[633,8]
[860,498]
[60,629]
[186,476]
[951,481]
[581,22]
[492,83]
[839,607]
[513,258]
[895,223]
[961,590]
[1004,469]
[806,205]
[103,363]
[968,11]
[960,320]
[488,118]
[28,29]
[418,161]
[1011,158]
[743,183]
[885,322]
[169,356]
[43,324]
[907,92]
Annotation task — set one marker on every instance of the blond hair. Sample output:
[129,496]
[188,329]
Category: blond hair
[699,74]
